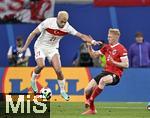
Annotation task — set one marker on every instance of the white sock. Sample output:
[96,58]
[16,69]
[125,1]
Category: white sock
[34,76]
[61,85]
[33,81]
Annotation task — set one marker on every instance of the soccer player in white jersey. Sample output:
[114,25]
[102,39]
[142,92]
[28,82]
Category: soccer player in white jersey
[47,44]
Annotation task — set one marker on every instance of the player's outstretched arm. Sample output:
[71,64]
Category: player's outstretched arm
[87,39]
[93,53]
[29,39]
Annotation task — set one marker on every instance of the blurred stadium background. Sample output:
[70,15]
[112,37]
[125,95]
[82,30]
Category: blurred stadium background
[93,17]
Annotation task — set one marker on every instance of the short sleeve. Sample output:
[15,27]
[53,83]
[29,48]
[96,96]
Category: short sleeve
[123,52]
[71,30]
[43,25]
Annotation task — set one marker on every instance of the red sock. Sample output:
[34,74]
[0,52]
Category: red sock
[87,96]
[95,93]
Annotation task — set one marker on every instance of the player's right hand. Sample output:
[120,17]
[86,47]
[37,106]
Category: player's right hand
[94,42]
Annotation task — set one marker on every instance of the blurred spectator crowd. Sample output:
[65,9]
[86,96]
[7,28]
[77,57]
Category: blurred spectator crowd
[15,59]
[14,11]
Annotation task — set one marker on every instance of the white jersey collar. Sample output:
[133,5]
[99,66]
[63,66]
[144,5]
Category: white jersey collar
[112,46]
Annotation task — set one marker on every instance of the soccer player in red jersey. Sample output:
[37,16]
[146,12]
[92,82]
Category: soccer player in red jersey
[116,61]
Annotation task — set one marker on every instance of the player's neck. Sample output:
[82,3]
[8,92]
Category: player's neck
[58,24]
[114,44]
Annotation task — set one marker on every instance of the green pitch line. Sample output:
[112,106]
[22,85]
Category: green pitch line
[105,110]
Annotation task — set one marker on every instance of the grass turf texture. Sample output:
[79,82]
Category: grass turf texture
[74,110]
[105,110]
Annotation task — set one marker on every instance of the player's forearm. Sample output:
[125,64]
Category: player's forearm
[85,38]
[31,36]
[121,64]
[29,39]
[93,53]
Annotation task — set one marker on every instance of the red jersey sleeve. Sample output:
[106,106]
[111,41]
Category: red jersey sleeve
[123,52]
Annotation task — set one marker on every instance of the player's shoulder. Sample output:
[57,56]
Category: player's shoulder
[50,20]
[67,26]
[104,46]
[121,46]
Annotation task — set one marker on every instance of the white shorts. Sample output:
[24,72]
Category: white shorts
[42,52]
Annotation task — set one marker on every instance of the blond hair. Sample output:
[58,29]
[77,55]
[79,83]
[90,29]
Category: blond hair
[63,14]
[114,31]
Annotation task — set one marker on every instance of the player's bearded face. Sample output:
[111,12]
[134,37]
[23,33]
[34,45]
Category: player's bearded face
[61,22]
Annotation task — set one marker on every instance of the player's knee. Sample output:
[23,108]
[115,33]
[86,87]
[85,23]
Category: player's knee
[59,74]
[86,90]
[102,81]
[40,67]
[58,71]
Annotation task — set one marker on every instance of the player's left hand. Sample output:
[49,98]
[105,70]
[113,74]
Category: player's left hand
[94,42]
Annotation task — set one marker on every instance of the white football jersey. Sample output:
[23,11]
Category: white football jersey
[51,33]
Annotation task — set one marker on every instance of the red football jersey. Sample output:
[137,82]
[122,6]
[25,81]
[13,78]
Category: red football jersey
[116,52]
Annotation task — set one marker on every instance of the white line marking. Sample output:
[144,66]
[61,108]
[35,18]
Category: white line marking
[124,107]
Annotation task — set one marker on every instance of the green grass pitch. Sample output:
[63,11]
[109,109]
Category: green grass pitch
[74,110]
[104,109]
